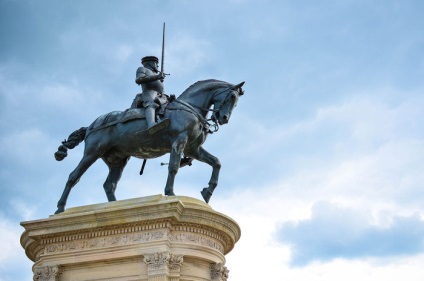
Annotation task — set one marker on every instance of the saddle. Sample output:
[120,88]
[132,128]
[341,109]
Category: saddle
[115,117]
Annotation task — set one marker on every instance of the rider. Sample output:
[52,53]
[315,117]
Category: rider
[151,81]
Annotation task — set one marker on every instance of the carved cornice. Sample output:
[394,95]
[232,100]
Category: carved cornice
[105,231]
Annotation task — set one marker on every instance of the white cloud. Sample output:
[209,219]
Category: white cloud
[43,97]
[371,167]
[10,239]
[25,211]
[14,265]
[122,53]
[361,148]
[61,96]
[187,54]
[259,215]
[367,269]
[25,146]
[334,232]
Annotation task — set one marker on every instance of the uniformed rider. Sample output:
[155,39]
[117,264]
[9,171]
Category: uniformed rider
[151,81]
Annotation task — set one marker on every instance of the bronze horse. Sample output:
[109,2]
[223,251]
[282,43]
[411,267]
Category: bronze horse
[116,141]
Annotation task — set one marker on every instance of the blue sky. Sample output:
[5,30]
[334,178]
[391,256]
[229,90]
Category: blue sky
[322,161]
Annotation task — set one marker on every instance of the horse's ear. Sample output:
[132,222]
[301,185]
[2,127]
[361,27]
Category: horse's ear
[238,86]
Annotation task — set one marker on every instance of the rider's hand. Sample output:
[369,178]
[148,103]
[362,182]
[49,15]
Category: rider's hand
[161,76]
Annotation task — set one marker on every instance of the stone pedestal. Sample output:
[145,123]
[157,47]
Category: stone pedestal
[155,238]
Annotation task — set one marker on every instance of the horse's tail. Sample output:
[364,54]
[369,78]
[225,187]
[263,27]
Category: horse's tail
[74,139]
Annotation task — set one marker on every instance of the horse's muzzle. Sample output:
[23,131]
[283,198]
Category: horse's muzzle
[223,120]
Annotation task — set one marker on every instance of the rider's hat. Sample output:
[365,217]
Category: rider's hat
[149,58]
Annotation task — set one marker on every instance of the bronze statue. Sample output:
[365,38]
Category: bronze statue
[117,136]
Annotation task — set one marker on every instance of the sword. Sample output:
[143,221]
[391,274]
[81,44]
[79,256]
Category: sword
[163,52]
[161,70]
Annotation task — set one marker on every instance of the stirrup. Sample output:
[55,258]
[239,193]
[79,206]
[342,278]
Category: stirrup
[159,126]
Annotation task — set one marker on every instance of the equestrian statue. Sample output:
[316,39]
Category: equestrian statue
[154,125]
[117,136]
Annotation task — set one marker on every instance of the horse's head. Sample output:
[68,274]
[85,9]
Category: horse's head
[224,101]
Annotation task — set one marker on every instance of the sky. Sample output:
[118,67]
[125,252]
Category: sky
[322,160]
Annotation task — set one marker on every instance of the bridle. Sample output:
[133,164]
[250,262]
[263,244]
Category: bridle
[216,109]
[212,128]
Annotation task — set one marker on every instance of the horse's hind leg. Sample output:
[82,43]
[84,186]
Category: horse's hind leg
[115,172]
[202,155]
[74,177]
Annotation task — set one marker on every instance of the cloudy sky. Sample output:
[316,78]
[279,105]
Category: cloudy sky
[322,161]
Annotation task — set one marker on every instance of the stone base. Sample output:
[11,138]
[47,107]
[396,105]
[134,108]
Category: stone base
[155,238]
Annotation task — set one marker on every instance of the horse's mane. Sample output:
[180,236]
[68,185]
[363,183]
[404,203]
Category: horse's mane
[205,84]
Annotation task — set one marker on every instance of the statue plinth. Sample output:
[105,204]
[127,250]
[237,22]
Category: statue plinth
[155,238]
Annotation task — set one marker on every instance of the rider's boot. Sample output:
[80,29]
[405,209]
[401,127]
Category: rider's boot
[150,116]
[152,126]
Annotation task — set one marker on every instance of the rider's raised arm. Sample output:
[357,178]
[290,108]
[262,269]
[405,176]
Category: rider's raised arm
[143,75]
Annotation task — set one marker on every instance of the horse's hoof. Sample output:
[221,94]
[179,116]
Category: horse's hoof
[206,194]
[169,193]
[59,210]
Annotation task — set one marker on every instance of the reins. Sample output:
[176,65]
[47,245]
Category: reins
[204,121]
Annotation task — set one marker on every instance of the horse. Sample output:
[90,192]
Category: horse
[187,128]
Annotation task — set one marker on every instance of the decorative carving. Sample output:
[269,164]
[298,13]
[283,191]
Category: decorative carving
[107,231]
[223,240]
[219,272]
[175,262]
[196,239]
[160,266]
[157,261]
[104,242]
[132,235]
[47,273]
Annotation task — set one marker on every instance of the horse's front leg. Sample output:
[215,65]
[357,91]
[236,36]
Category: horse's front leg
[202,155]
[86,161]
[174,162]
